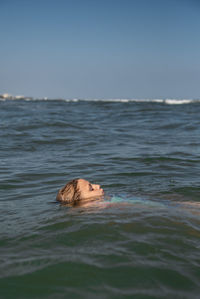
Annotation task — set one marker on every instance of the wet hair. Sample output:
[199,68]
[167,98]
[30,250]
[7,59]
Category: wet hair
[69,193]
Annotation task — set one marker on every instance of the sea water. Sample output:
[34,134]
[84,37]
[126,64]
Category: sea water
[142,241]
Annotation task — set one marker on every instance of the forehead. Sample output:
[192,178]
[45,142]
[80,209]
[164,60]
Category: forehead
[82,183]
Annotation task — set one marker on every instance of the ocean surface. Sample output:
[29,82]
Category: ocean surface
[142,241]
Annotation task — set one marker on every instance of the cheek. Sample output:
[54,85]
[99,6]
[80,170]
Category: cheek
[85,194]
[97,192]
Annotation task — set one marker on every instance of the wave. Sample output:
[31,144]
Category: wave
[115,100]
[161,101]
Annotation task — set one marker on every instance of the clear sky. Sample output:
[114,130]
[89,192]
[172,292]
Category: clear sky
[100,48]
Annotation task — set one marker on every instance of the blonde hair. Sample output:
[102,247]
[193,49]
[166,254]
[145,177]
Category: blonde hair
[69,193]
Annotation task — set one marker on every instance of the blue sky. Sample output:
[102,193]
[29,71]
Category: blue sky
[100,49]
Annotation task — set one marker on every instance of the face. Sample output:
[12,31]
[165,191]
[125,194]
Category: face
[88,190]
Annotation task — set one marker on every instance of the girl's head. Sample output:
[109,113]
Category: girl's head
[78,189]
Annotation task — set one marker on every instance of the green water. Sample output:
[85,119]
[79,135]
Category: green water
[142,241]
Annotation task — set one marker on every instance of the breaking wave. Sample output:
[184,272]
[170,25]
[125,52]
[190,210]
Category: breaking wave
[117,100]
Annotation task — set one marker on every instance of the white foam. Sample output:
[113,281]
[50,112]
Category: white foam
[124,100]
[71,100]
[180,101]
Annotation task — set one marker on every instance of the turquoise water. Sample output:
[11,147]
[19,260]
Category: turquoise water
[141,241]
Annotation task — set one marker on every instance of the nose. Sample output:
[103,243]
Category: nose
[97,187]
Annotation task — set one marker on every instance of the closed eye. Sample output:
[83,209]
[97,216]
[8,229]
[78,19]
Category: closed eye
[90,187]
